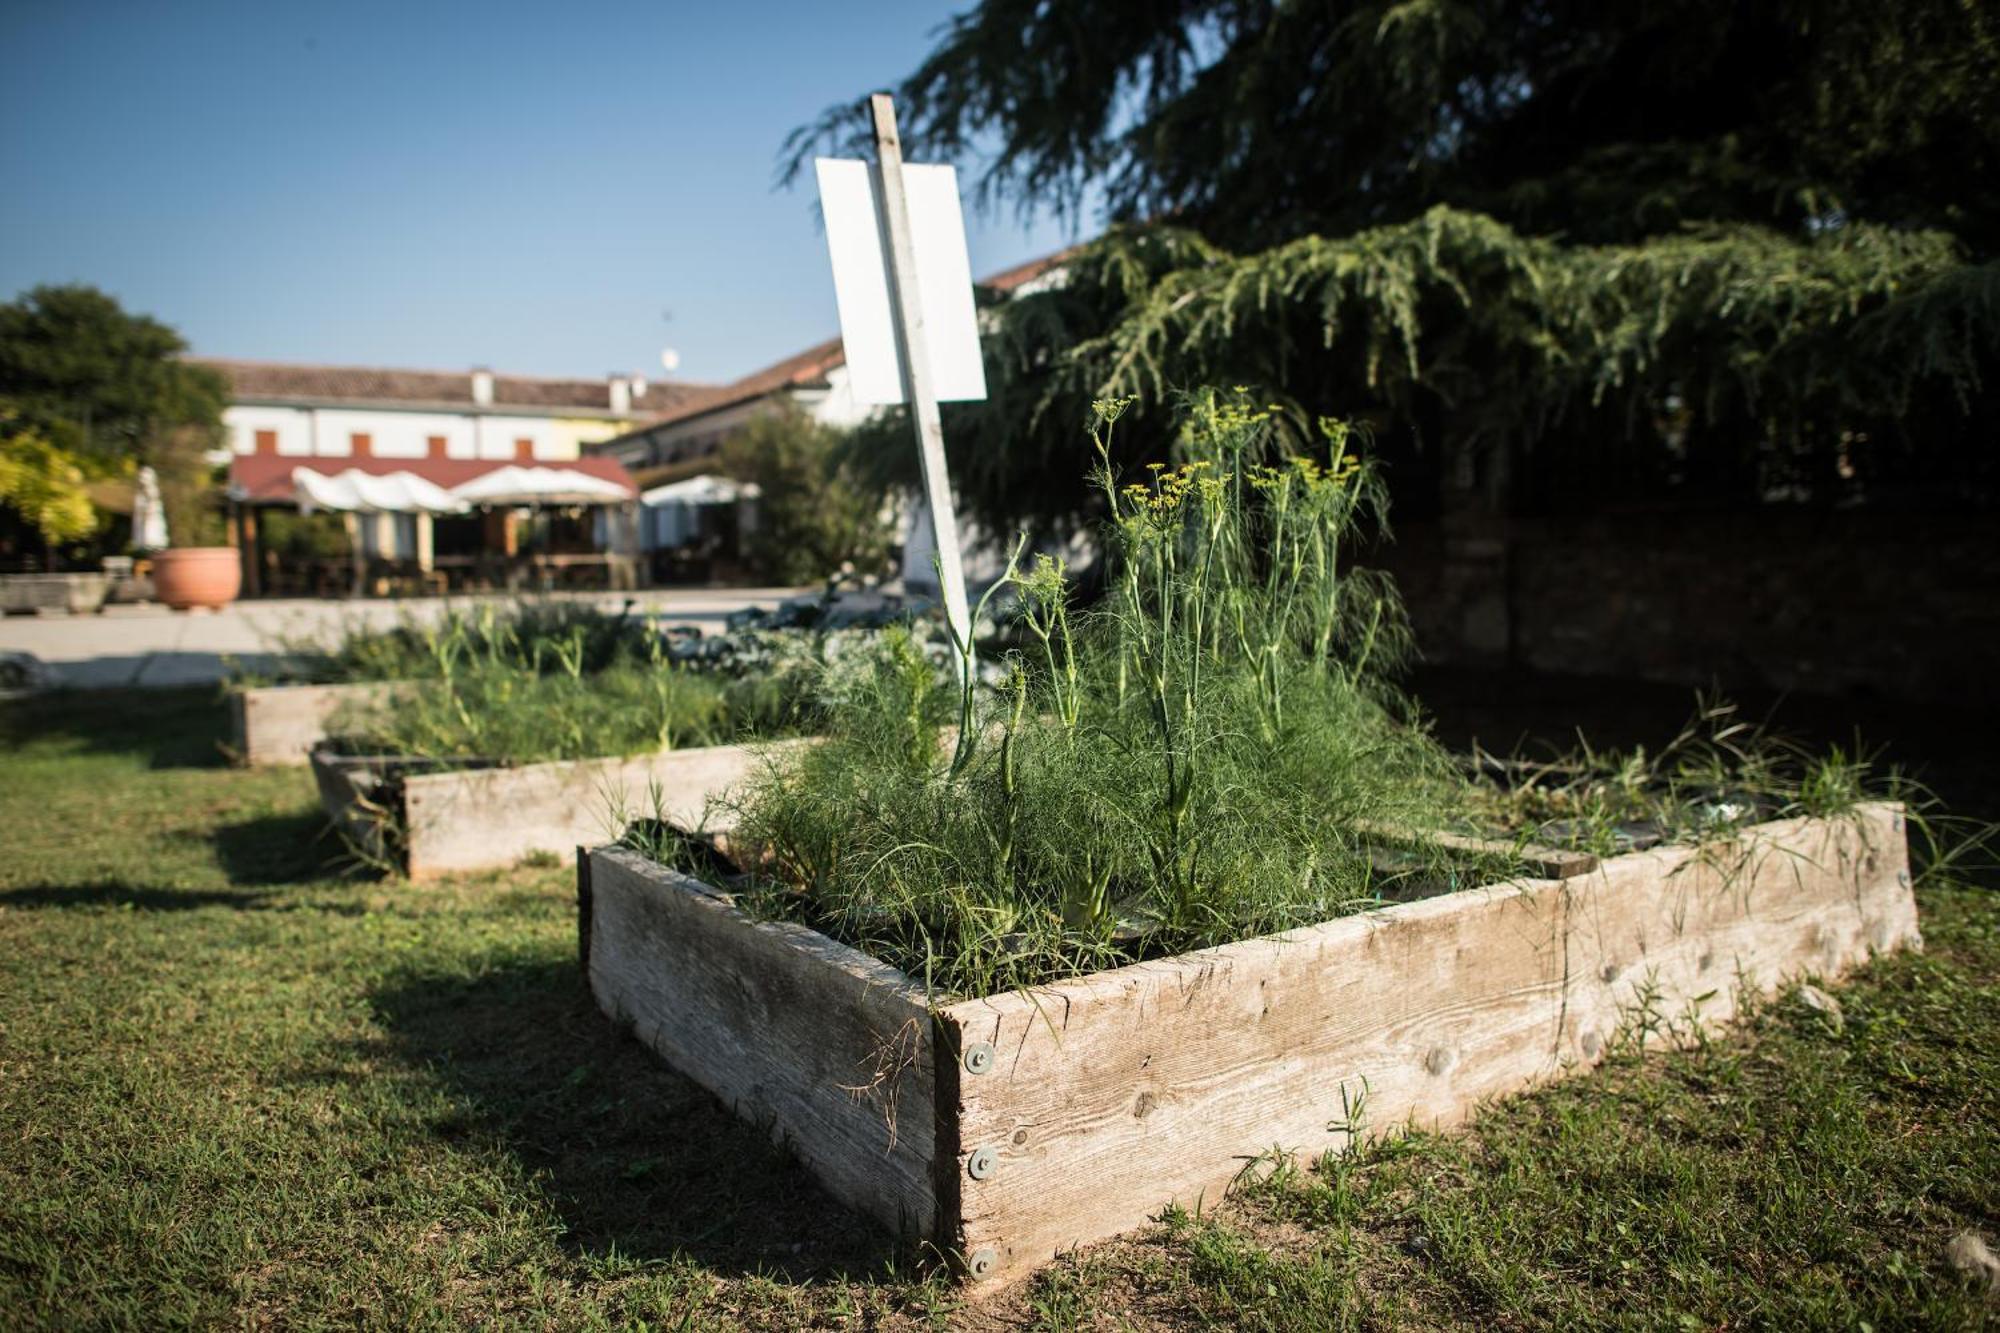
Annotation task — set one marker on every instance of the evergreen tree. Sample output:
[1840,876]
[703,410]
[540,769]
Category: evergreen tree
[89,390]
[1751,250]
[75,363]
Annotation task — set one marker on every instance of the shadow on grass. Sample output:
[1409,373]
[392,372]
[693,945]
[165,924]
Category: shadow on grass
[634,1158]
[112,893]
[296,848]
[177,728]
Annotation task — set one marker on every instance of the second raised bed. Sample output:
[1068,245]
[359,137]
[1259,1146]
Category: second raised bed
[279,725]
[432,817]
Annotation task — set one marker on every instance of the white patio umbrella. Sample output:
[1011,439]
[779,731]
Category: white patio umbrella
[707,489]
[355,491]
[149,516]
[514,485]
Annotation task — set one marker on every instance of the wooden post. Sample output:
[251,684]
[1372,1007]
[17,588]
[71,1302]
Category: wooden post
[917,388]
[356,555]
[253,553]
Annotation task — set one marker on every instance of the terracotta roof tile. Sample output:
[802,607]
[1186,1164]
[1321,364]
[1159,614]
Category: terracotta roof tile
[1007,279]
[361,384]
[808,369]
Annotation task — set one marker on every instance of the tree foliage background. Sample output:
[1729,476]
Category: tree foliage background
[813,514]
[1735,252]
[90,391]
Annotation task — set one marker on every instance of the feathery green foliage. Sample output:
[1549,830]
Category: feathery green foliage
[1257,121]
[1184,765]
[541,635]
[547,682]
[505,713]
[1764,359]
[1213,751]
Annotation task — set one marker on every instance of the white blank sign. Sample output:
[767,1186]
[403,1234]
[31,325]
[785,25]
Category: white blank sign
[850,197]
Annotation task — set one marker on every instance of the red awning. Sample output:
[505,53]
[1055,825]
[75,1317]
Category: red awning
[266,479]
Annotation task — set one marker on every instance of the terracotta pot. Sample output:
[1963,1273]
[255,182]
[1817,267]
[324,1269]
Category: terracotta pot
[191,576]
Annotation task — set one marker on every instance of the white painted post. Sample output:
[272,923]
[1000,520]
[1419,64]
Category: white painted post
[917,388]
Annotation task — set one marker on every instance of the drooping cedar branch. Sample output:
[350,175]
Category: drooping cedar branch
[1255,121]
[1754,244]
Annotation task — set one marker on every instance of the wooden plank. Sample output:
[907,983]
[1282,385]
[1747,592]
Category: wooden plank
[492,817]
[826,1047]
[1548,862]
[280,724]
[1111,1095]
[350,791]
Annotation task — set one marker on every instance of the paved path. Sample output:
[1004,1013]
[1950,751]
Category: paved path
[152,646]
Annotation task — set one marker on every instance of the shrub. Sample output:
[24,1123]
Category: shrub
[813,516]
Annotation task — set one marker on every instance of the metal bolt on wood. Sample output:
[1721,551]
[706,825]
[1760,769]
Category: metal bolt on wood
[979,1057]
[981,1263]
[1903,878]
[982,1163]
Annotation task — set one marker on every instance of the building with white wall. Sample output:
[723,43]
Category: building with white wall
[343,412]
[672,446]
[446,428]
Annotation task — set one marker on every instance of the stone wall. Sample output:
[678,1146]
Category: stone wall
[1901,605]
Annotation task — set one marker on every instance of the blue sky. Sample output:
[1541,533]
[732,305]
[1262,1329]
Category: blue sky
[543,189]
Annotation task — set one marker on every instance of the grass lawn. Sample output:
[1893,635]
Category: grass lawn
[239,1087]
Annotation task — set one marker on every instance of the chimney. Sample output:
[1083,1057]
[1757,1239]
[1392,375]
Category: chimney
[638,386]
[482,387]
[621,394]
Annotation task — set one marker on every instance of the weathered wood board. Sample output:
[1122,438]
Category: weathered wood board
[823,1045]
[1078,1110]
[351,792]
[281,724]
[482,818]
[1415,1014]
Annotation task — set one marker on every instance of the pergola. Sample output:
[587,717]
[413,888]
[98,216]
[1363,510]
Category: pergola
[376,495]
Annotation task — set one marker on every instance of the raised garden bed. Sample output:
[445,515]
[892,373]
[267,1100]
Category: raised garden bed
[68,594]
[279,725]
[1012,961]
[1005,1129]
[434,816]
